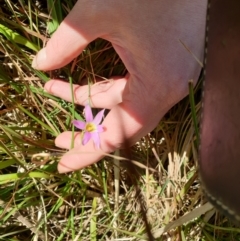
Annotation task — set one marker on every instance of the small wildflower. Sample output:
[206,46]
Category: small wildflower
[91,128]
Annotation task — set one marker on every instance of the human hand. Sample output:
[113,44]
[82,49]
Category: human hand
[147,35]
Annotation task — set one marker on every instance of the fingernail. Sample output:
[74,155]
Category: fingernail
[39,59]
[64,169]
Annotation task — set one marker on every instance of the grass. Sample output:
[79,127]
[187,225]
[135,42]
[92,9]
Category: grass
[100,202]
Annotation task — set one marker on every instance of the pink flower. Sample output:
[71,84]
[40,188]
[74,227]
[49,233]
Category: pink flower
[91,128]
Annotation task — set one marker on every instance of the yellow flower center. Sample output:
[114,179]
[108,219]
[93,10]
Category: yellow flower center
[90,127]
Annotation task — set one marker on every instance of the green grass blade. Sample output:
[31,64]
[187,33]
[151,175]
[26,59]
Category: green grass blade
[93,222]
[15,37]
[16,176]
[193,111]
[55,9]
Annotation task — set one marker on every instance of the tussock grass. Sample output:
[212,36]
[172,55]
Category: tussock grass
[100,202]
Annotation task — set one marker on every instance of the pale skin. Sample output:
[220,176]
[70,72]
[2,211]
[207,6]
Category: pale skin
[147,35]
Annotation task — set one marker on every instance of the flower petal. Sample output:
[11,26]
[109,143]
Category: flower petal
[86,137]
[79,124]
[98,118]
[88,113]
[100,128]
[96,139]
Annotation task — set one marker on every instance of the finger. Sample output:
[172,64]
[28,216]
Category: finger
[57,52]
[121,124]
[88,154]
[74,33]
[104,94]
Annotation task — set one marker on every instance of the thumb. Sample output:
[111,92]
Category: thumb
[77,30]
